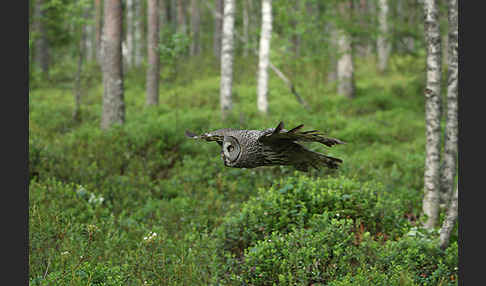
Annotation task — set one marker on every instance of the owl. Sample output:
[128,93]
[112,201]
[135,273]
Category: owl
[270,147]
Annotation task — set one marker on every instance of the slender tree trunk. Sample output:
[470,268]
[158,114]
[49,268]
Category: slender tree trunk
[90,47]
[99,31]
[449,163]
[430,203]
[227,51]
[129,37]
[195,27]
[450,220]
[264,56]
[181,17]
[41,42]
[77,79]
[152,53]
[333,37]
[113,108]
[383,44]
[246,23]
[218,24]
[345,65]
[138,30]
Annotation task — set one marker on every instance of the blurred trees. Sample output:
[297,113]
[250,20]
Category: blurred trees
[152,82]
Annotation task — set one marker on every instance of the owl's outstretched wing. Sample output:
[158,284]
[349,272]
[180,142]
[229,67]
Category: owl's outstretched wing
[216,135]
[278,133]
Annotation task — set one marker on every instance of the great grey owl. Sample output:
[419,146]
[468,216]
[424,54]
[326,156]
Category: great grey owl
[270,147]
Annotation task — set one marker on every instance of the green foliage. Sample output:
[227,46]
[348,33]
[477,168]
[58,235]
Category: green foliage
[141,203]
[295,201]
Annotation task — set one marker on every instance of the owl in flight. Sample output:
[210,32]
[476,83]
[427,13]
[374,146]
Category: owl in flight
[270,147]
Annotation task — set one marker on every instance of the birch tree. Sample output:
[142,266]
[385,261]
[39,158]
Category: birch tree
[264,56]
[449,163]
[129,35]
[227,51]
[449,221]
[382,43]
[113,107]
[345,65]
[430,204]
[152,80]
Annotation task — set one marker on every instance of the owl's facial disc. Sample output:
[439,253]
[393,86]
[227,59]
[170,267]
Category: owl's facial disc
[231,148]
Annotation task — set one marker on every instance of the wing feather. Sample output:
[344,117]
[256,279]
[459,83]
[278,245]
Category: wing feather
[278,133]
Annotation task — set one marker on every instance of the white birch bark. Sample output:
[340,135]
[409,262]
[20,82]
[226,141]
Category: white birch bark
[138,57]
[264,56]
[383,44]
[227,50]
[450,220]
[129,38]
[449,163]
[430,204]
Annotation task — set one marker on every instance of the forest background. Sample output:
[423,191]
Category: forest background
[118,195]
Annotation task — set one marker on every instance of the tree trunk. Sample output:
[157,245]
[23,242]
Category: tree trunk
[246,23]
[345,65]
[264,56]
[430,203]
[227,51]
[152,53]
[333,37]
[129,36]
[181,17]
[113,109]
[218,24]
[77,79]
[449,163]
[99,31]
[41,41]
[90,47]
[138,30]
[195,27]
[450,220]
[383,44]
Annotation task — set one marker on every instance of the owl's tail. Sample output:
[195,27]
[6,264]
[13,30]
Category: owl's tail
[317,160]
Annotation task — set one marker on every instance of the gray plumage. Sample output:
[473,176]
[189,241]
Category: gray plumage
[270,147]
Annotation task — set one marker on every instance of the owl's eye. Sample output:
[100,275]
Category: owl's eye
[231,148]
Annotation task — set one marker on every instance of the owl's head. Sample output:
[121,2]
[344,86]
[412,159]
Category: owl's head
[231,150]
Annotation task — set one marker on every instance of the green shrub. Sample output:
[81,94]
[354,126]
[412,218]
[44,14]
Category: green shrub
[295,200]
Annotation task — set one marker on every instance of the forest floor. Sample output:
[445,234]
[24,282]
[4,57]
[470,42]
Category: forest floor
[142,205]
